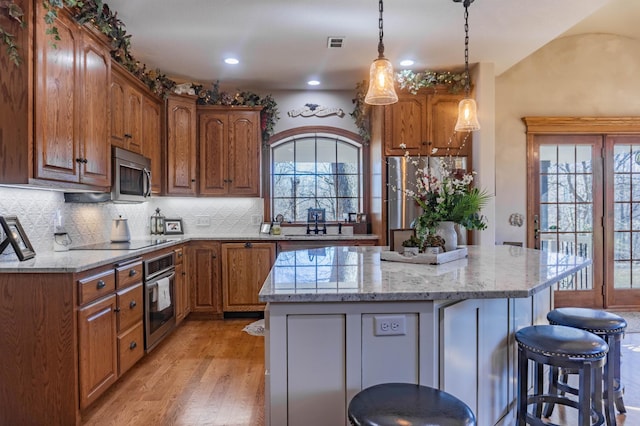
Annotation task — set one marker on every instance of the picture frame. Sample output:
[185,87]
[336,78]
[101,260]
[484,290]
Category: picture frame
[353,217]
[265,228]
[315,214]
[397,236]
[17,237]
[173,227]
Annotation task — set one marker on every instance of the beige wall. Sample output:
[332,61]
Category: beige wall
[585,75]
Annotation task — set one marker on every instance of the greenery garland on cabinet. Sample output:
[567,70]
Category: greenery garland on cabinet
[98,14]
[409,81]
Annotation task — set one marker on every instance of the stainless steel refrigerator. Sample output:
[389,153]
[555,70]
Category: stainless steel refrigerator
[401,175]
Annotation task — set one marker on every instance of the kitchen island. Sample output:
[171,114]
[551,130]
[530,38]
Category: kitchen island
[339,320]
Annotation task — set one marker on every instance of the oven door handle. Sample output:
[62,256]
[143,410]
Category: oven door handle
[154,282]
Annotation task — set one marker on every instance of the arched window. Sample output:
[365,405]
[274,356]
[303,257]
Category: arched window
[319,170]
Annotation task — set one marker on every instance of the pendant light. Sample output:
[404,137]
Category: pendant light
[467,110]
[381,79]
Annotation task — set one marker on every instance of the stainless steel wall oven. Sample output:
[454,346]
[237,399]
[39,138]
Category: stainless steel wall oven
[159,295]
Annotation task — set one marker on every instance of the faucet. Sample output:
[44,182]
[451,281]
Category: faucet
[339,227]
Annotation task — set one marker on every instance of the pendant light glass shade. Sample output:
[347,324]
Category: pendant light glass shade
[381,83]
[467,116]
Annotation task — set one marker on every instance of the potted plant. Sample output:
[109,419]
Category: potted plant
[433,244]
[411,246]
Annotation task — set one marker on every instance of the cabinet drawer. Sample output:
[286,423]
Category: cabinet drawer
[130,348]
[128,274]
[95,286]
[129,306]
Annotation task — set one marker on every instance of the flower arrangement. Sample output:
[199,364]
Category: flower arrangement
[446,194]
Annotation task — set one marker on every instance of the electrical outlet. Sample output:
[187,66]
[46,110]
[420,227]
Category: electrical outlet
[203,220]
[390,325]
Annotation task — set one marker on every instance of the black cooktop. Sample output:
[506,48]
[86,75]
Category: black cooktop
[131,245]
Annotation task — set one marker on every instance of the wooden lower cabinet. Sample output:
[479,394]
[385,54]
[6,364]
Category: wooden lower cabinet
[245,266]
[182,288]
[98,359]
[110,326]
[203,275]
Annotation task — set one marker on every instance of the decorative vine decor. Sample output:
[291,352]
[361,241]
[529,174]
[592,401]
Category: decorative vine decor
[409,81]
[98,14]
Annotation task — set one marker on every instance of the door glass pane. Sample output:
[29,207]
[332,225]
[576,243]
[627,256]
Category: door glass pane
[566,188]
[621,216]
[566,217]
[583,159]
[548,159]
[548,188]
[566,159]
[622,159]
[622,272]
[622,187]
[584,218]
[584,188]
[548,217]
[621,245]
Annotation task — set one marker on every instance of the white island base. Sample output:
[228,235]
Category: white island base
[319,355]
[339,320]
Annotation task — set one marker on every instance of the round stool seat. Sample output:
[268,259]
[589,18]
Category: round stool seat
[410,404]
[557,340]
[593,320]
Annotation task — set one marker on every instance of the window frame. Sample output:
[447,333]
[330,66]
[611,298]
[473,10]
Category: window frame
[323,131]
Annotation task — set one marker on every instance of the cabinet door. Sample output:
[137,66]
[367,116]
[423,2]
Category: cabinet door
[243,165]
[203,263]
[181,146]
[117,90]
[152,134]
[94,117]
[181,296]
[98,366]
[133,119]
[405,122]
[57,154]
[245,266]
[213,137]
[443,114]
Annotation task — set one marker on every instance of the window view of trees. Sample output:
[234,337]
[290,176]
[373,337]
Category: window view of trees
[316,171]
[626,216]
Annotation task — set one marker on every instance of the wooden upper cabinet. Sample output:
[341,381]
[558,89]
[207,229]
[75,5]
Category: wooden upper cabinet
[181,145]
[94,118]
[405,122]
[230,147]
[71,105]
[152,148]
[424,122]
[136,121]
[57,151]
[442,117]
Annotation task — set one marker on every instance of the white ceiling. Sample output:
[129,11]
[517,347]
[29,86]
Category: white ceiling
[282,44]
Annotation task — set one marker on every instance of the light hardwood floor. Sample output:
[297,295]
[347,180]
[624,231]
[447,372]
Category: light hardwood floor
[211,373]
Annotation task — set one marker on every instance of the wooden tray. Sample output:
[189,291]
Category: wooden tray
[428,258]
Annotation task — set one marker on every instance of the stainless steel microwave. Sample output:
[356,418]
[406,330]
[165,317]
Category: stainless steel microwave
[131,177]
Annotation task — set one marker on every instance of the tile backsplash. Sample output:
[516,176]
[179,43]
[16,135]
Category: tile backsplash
[90,223]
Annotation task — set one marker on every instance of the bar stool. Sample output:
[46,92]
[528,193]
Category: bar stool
[560,347]
[611,328]
[392,404]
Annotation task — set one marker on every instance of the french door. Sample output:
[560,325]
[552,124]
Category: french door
[584,200]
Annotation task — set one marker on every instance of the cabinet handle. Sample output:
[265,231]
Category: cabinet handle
[184,273]
[133,345]
[127,135]
[85,161]
[101,284]
[78,160]
[193,180]
[132,272]
[116,310]
[180,254]
[213,256]
[248,245]
[132,304]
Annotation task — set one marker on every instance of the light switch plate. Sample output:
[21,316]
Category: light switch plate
[203,220]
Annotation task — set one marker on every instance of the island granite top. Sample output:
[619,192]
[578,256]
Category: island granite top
[356,274]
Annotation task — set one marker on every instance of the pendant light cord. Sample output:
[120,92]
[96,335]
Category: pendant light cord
[381,32]
[467,86]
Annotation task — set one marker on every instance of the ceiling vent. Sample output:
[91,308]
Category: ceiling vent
[334,42]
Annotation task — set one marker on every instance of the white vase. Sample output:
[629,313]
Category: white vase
[447,231]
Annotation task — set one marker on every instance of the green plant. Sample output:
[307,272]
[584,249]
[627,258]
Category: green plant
[14,12]
[413,241]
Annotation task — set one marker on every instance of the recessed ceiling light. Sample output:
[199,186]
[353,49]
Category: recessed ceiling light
[406,63]
[313,83]
[231,61]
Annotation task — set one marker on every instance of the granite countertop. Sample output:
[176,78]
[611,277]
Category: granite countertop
[82,260]
[356,274]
